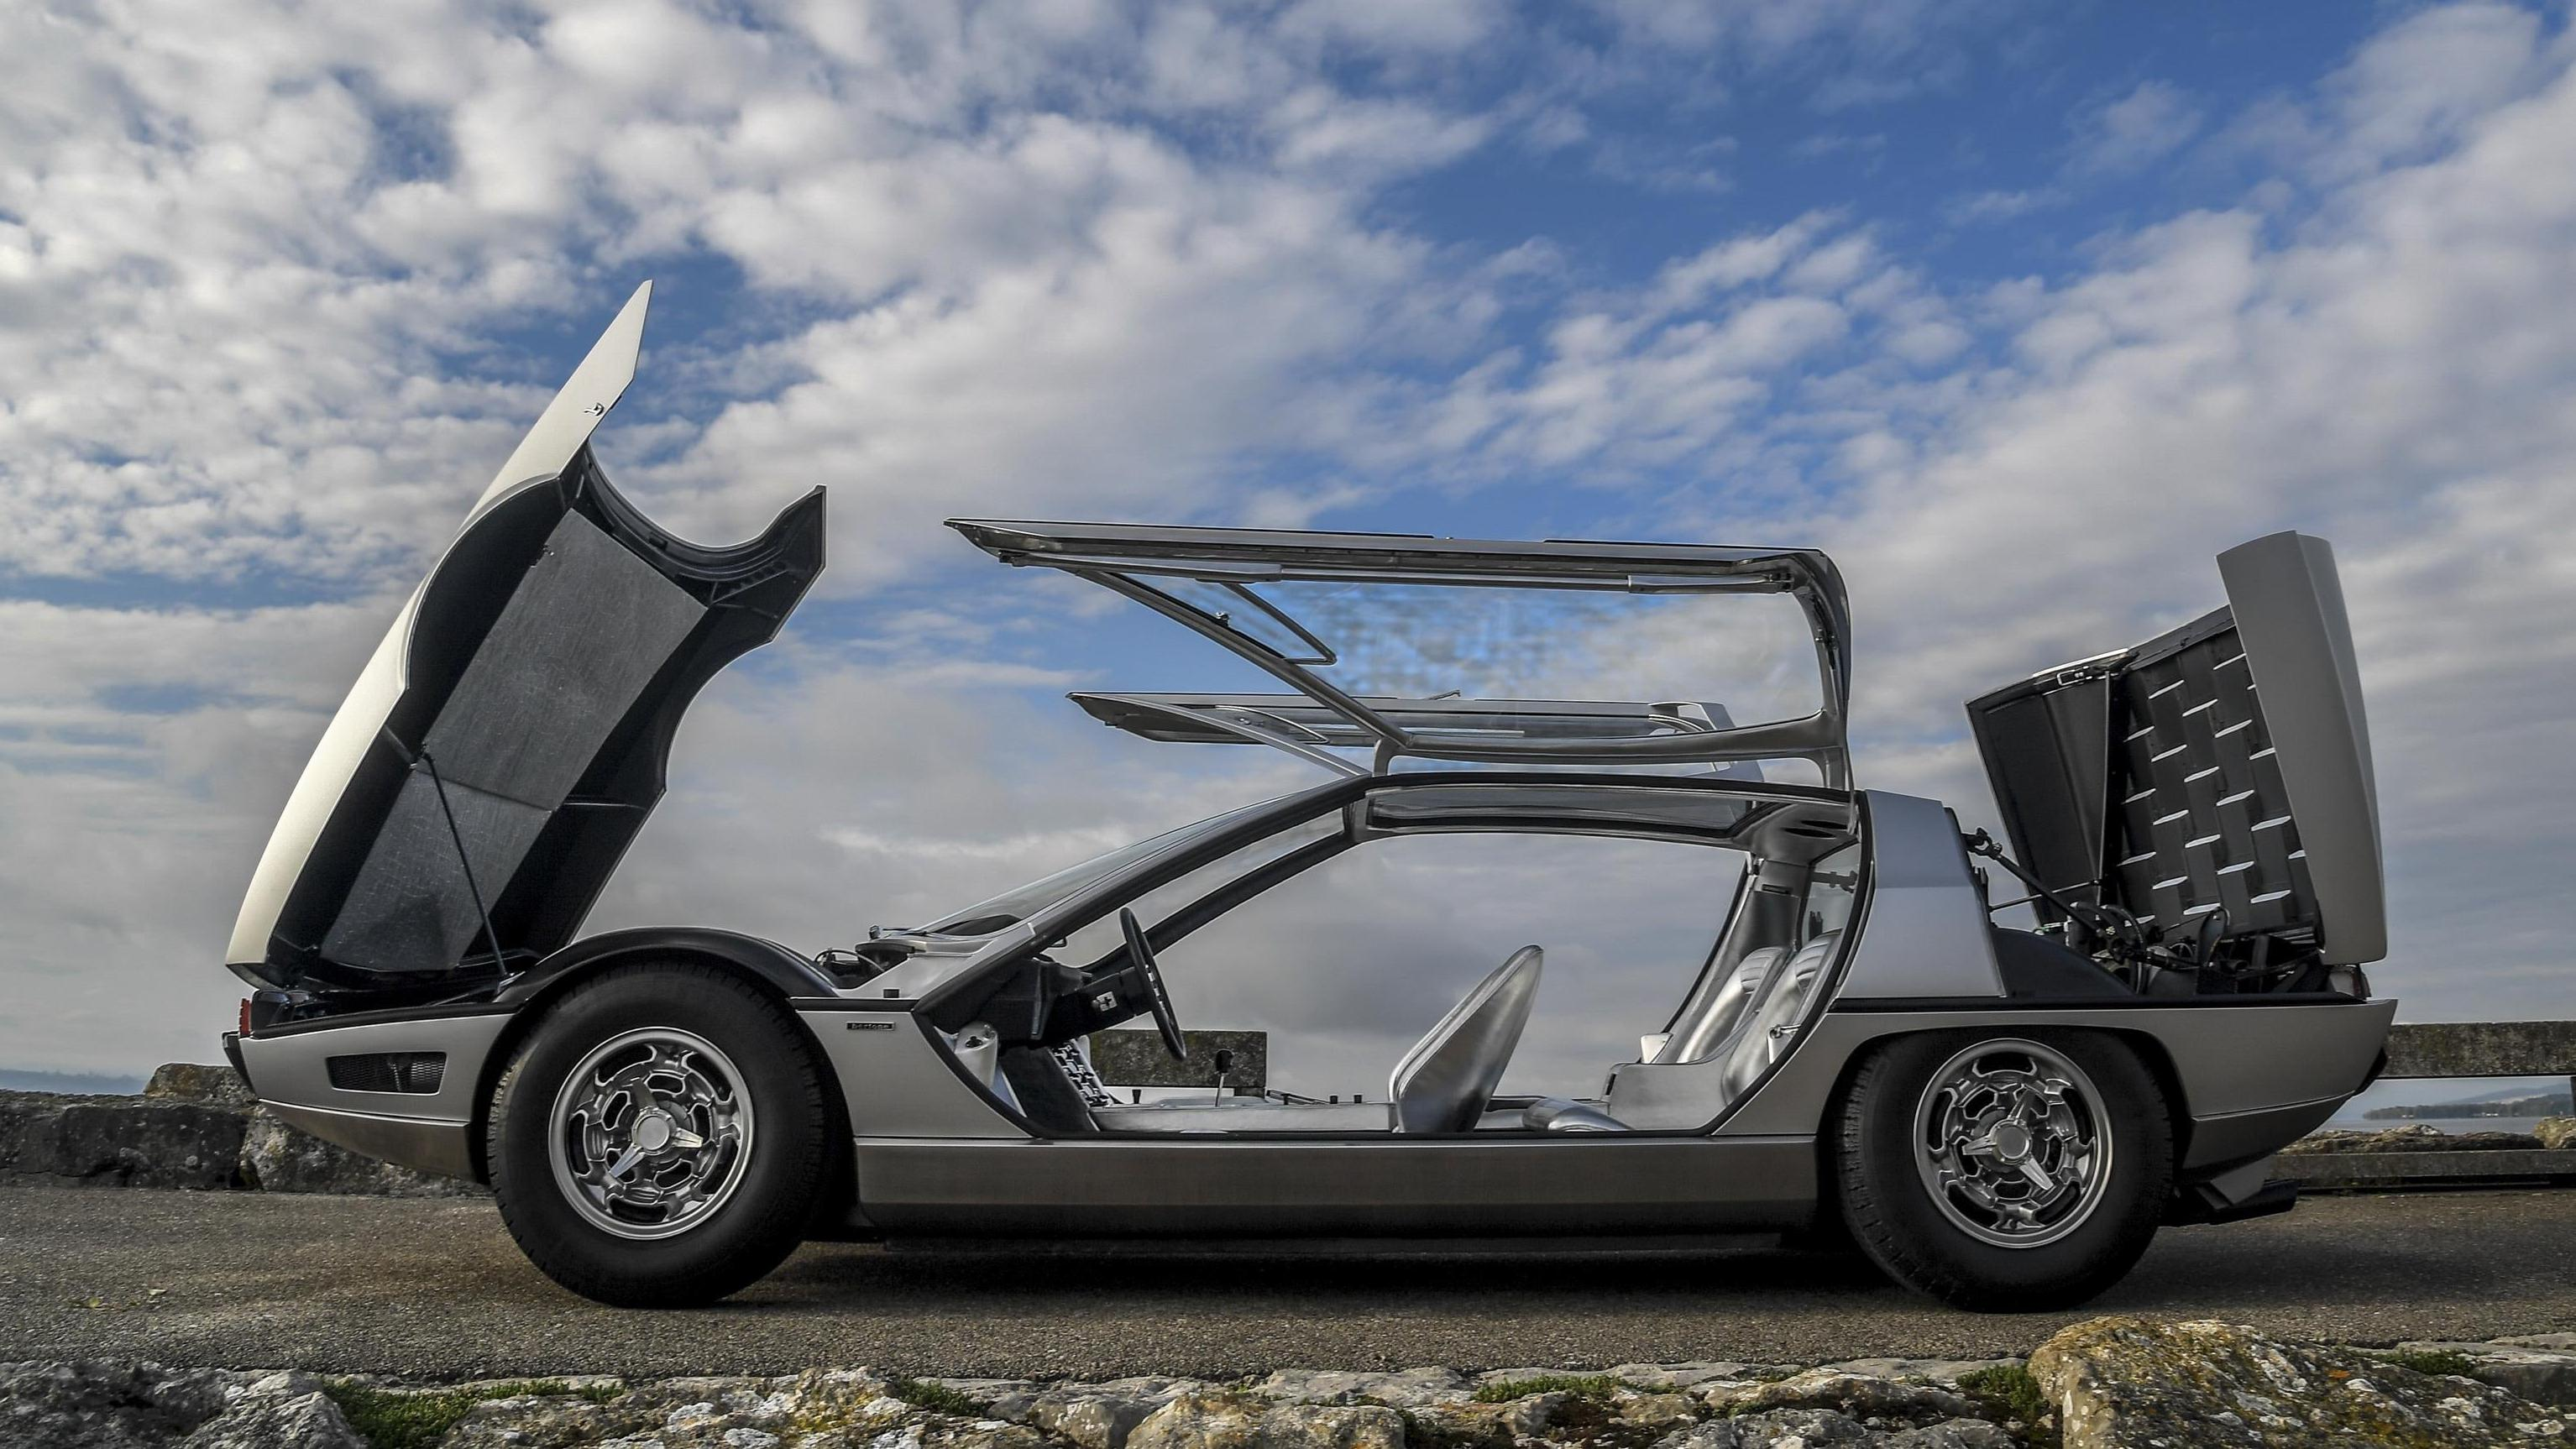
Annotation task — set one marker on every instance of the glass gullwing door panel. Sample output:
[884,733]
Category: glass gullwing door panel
[1478,651]
[1310,730]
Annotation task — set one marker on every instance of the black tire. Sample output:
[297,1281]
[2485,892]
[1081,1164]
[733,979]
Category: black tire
[771,1190]
[1899,1222]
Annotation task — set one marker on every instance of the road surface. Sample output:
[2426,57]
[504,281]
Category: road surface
[434,1288]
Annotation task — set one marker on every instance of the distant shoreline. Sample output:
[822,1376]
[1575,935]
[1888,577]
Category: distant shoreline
[73,1084]
[2553,1104]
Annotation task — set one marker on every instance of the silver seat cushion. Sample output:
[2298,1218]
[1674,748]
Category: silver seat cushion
[1700,1037]
[1557,1114]
[1442,1085]
[1760,1041]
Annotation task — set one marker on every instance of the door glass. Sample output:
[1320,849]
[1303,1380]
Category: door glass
[1752,653]
[1829,892]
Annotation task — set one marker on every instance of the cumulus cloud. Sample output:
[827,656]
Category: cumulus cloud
[277,287]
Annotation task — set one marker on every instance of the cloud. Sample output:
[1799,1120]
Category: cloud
[2139,128]
[1983,207]
[275,291]
[2422,85]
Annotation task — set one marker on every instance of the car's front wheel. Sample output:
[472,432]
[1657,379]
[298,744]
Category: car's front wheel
[661,1137]
[2004,1172]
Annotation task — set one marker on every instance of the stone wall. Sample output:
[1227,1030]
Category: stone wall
[194,1127]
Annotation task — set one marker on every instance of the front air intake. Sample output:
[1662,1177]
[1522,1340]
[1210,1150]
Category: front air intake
[414,1072]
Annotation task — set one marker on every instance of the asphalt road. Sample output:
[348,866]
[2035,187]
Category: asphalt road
[434,1288]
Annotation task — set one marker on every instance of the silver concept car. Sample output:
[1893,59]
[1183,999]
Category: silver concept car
[1999,1117]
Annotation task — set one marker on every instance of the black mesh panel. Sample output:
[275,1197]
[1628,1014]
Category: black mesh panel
[2202,819]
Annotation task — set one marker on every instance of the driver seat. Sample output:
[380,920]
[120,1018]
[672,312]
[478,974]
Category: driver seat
[1444,1082]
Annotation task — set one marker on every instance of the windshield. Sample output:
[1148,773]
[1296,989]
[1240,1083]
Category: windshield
[1014,906]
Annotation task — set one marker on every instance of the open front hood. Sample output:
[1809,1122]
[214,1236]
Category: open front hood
[2223,767]
[507,740]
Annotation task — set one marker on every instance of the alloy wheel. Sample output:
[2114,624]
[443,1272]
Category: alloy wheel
[650,1133]
[2011,1142]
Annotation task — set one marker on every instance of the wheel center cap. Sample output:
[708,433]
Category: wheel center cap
[2012,1142]
[653,1132]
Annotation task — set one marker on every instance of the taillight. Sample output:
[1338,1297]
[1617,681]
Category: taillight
[245,1016]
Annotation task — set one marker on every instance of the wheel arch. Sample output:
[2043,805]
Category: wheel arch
[2150,1052]
[773,969]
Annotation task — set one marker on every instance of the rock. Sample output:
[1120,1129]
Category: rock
[1857,1395]
[2555,1133]
[2420,1137]
[190,1082]
[120,1141]
[147,1406]
[841,1409]
[551,1421]
[1201,1420]
[1005,1398]
[1653,1411]
[2544,1373]
[2127,1383]
[1102,1416]
[275,1157]
[1676,1376]
[1407,1389]
[1938,1370]
[1814,1428]
[280,1411]
[190,1129]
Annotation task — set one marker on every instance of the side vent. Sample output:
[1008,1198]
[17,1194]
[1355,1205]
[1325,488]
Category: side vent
[414,1072]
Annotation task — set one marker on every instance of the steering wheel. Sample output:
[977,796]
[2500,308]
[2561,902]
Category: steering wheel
[1142,953]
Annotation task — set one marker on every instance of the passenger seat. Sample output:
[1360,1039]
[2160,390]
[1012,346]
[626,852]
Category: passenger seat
[1762,1040]
[1693,1040]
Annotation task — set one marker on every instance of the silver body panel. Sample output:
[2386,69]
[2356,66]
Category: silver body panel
[1389,1186]
[1927,928]
[2289,610]
[429,1132]
[898,1080]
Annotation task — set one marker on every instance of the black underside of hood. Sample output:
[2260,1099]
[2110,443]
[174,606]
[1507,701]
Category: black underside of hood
[554,650]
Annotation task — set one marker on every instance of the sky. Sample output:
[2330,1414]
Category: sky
[2023,311]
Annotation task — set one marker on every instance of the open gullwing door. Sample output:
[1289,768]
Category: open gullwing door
[1419,647]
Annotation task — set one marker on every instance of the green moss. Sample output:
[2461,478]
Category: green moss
[1582,1386]
[938,1398]
[2436,1361]
[2008,1392]
[419,1418]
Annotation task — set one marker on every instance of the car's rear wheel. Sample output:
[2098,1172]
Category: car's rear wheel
[2004,1172]
[661,1137]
